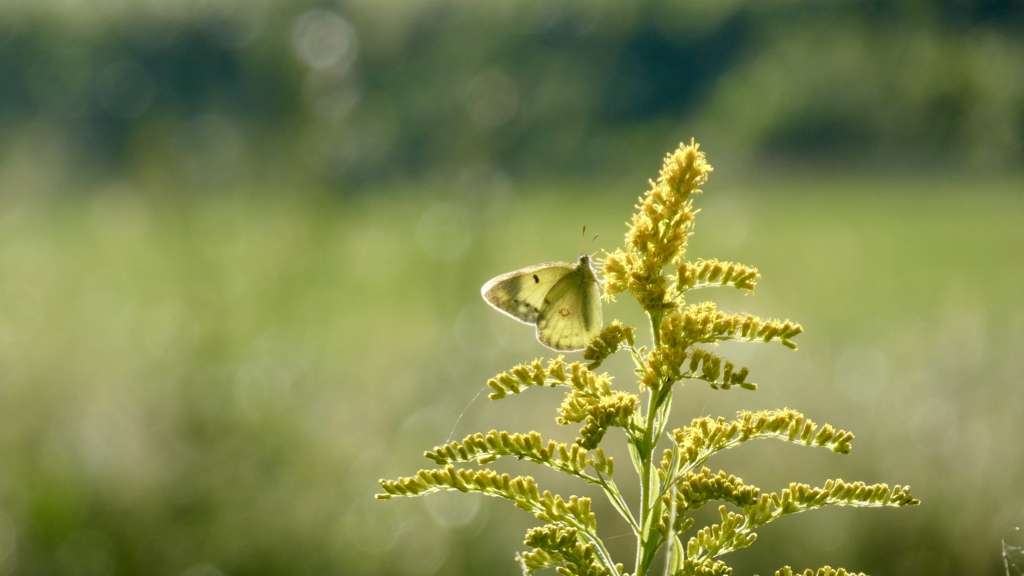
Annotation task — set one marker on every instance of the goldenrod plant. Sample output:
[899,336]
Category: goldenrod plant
[671,465]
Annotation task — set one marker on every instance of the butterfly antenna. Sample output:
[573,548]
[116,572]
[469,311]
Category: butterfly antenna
[583,238]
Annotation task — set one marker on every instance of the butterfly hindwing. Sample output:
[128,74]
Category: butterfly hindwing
[521,294]
[571,315]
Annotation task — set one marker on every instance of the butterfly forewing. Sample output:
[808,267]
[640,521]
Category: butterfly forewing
[521,294]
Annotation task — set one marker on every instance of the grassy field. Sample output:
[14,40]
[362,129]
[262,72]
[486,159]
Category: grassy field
[211,385]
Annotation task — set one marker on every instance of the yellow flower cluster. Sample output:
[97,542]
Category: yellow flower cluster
[659,231]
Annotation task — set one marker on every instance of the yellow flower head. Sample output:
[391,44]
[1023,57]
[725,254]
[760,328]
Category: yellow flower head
[659,231]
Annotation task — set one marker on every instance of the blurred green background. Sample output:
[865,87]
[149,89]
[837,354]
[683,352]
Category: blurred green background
[241,244]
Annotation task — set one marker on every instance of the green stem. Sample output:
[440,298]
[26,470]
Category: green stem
[647,504]
[655,317]
[650,496]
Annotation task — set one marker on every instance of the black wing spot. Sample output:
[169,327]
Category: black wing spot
[536,279]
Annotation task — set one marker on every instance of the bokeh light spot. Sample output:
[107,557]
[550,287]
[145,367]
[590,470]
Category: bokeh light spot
[452,510]
[324,40]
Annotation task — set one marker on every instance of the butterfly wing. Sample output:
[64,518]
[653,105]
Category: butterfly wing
[571,315]
[521,293]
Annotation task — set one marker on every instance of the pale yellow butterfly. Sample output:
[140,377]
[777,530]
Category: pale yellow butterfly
[561,298]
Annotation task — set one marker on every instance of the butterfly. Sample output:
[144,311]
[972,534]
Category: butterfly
[561,298]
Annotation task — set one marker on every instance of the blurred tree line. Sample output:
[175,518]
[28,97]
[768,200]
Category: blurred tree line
[362,91]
